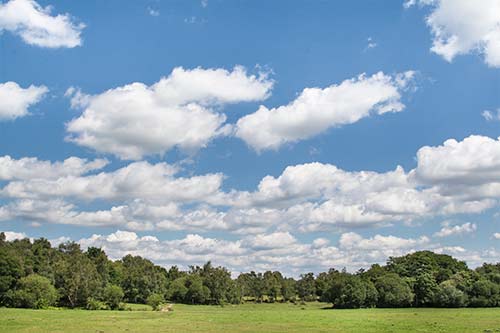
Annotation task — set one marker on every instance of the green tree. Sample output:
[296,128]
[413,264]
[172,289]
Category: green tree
[35,292]
[112,296]
[306,287]
[289,289]
[424,288]
[141,278]
[76,277]
[155,301]
[272,284]
[11,270]
[393,291]
[177,290]
[197,293]
[448,296]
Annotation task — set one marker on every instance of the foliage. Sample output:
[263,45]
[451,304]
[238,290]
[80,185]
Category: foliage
[31,269]
[94,304]
[112,296]
[35,292]
[393,291]
[155,301]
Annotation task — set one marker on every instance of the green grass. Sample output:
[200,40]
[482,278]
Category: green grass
[262,318]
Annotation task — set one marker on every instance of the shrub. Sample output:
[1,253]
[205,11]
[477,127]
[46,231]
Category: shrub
[112,296]
[447,295]
[155,301]
[94,304]
[35,292]
[393,291]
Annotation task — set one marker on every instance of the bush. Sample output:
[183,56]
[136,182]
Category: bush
[112,296]
[35,292]
[393,291]
[447,295]
[155,301]
[94,304]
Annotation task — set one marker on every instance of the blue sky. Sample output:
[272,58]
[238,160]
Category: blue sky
[286,47]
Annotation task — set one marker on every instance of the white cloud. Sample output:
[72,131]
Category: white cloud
[353,240]
[371,44]
[473,162]
[138,180]
[178,111]
[11,235]
[464,26]
[315,110]
[451,230]
[270,241]
[15,101]
[491,115]
[36,26]
[496,235]
[153,12]
[454,178]
[33,168]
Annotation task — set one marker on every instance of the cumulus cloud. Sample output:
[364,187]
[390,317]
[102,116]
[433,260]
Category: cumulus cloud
[452,230]
[474,161]
[138,180]
[496,235]
[456,177]
[178,111]
[12,235]
[315,110]
[36,26]
[33,168]
[15,101]
[352,240]
[462,26]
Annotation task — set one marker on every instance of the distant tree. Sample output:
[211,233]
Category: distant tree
[306,287]
[76,277]
[484,293]
[272,285]
[155,301]
[140,278]
[112,296]
[347,291]
[197,292]
[11,270]
[177,290]
[424,287]
[393,291]
[217,280]
[289,289]
[35,292]
[102,264]
[448,296]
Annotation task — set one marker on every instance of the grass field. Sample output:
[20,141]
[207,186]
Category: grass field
[263,318]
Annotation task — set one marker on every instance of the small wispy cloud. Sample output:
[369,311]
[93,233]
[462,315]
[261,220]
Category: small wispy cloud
[204,3]
[371,44]
[491,115]
[153,12]
[194,20]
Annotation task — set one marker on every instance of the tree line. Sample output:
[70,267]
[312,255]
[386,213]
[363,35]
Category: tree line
[33,274]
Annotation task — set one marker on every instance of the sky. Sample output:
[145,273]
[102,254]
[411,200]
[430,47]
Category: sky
[261,135]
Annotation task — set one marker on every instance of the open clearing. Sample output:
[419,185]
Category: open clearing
[252,318]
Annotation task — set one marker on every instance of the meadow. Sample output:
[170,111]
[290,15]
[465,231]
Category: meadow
[312,317]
